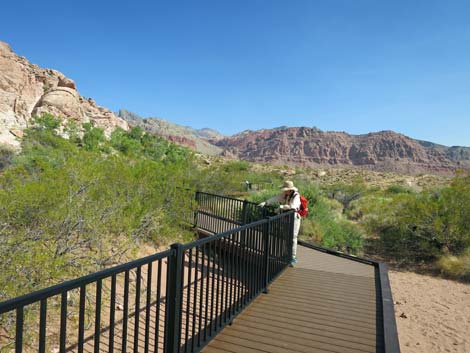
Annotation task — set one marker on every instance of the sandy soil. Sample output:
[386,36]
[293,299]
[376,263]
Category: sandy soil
[432,313]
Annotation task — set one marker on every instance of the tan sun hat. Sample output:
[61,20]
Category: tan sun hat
[288,186]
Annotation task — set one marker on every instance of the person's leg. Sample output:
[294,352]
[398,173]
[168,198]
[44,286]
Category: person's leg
[296,233]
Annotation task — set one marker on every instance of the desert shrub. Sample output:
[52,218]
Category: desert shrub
[46,122]
[67,210]
[455,266]
[228,178]
[364,207]
[424,225]
[93,137]
[331,229]
[399,189]
[6,156]
[127,142]
[236,166]
[346,193]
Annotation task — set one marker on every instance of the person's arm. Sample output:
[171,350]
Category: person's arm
[274,199]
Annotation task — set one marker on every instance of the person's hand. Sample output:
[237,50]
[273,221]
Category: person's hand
[284,207]
[262,204]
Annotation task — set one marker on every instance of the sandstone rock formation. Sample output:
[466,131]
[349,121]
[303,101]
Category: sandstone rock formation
[385,150]
[27,90]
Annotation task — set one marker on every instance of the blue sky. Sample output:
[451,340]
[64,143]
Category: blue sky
[345,65]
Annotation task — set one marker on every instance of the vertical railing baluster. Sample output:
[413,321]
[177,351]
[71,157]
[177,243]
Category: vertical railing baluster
[19,330]
[196,275]
[125,312]
[254,270]
[137,309]
[158,304]
[201,293]
[218,299]
[196,197]
[42,326]
[266,231]
[98,316]
[180,311]
[236,282]
[225,279]
[147,307]
[206,305]
[259,260]
[212,253]
[63,322]
[81,318]
[188,301]
[173,301]
[232,269]
[112,313]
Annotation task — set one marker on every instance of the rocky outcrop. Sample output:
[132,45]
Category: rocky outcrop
[27,90]
[385,150]
[199,140]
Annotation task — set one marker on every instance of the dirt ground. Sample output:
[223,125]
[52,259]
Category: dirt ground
[432,313]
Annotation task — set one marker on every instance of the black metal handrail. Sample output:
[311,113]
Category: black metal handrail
[173,301]
[217,213]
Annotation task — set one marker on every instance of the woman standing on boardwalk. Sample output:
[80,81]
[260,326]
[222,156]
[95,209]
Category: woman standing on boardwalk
[289,198]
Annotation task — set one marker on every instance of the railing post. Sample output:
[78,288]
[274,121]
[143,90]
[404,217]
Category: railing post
[267,232]
[244,212]
[196,198]
[173,306]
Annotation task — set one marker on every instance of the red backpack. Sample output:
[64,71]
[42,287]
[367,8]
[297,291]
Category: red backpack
[303,210]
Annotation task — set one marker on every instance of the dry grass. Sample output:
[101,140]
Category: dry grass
[455,266]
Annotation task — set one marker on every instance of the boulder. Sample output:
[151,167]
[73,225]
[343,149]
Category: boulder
[66,82]
[62,102]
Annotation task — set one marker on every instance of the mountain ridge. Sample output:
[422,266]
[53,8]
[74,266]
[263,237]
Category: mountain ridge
[384,150]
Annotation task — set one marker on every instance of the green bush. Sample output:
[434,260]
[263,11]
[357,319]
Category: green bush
[93,137]
[399,189]
[331,229]
[68,207]
[424,225]
[6,156]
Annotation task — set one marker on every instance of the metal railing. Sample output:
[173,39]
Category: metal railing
[173,301]
[218,213]
[101,309]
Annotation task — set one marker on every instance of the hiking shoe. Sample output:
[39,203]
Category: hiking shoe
[293,262]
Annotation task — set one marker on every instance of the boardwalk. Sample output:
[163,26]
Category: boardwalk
[182,299]
[324,304]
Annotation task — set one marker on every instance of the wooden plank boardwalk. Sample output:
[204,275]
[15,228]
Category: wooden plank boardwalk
[324,304]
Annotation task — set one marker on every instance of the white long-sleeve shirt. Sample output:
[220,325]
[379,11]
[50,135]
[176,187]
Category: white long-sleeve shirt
[291,201]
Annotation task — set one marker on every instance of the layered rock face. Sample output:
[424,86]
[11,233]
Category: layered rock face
[27,90]
[385,150]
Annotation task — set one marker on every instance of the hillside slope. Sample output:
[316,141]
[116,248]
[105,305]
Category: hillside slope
[196,139]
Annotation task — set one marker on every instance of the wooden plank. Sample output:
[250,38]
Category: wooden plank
[292,340]
[325,304]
